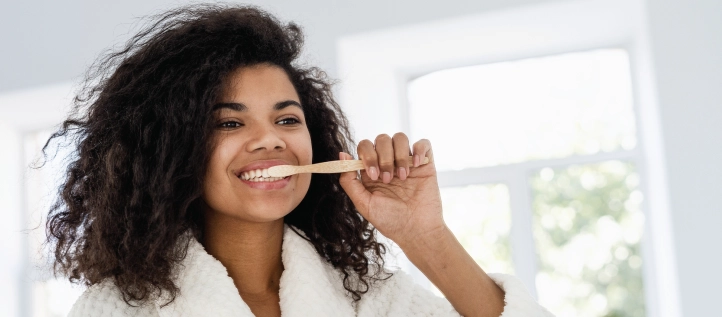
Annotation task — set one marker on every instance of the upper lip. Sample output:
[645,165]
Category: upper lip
[259,165]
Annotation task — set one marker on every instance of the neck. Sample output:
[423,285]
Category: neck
[251,252]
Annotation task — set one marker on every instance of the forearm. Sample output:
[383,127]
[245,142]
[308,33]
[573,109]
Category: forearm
[443,260]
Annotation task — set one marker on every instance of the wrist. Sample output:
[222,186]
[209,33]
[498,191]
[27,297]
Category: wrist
[430,241]
[443,260]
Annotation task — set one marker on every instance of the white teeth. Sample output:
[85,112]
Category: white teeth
[259,176]
[263,179]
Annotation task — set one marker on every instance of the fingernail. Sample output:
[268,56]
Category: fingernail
[372,173]
[416,161]
[387,177]
[402,173]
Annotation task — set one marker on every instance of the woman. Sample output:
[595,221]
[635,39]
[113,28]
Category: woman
[165,211]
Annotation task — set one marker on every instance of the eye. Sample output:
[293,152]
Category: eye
[230,124]
[290,121]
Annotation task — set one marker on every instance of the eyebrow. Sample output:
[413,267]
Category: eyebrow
[237,106]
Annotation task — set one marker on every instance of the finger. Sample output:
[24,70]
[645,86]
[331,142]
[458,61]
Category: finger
[385,153]
[401,154]
[354,188]
[367,154]
[422,148]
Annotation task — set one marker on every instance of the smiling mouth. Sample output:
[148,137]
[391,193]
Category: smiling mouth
[265,183]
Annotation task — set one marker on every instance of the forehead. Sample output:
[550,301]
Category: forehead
[258,84]
[257,87]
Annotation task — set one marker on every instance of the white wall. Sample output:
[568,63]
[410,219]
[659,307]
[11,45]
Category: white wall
[11,266]
[687,49]
[45,42]
[48,41]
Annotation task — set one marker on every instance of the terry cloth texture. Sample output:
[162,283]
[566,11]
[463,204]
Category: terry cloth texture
[309,286]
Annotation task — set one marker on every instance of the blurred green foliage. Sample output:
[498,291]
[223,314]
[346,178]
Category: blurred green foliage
[587,228]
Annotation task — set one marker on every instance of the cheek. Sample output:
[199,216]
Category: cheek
[304,148]
[304,151]
[302,184]
[219,160]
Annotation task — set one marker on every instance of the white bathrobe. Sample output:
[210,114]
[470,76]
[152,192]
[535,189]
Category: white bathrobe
[309,286]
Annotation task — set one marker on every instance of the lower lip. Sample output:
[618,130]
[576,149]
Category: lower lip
[281,183]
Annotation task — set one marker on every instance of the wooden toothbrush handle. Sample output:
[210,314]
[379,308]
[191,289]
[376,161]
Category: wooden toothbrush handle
[339,166]
[344,166]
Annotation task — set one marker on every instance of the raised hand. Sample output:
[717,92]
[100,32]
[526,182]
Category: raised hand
[398,197]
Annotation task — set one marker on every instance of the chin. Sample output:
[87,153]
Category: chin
[265,213]
[267,216]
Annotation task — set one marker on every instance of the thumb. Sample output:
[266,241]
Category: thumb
[354,188]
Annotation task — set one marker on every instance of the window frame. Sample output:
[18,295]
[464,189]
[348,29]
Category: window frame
[516,177]
[374,82]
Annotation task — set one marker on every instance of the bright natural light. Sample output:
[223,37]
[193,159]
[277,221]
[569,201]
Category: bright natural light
[51,296]
[537,108]
[480,218]
[586,219]
[587,225]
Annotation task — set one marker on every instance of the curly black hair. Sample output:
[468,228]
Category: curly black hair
[142,125]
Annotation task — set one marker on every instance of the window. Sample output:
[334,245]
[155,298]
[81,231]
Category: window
[485,235]
[586,218]
[553,107]
[588,224]
[531,109]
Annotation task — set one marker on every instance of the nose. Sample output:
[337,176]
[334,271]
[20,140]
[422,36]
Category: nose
[265,137]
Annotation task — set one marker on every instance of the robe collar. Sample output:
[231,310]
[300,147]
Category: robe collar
[309,285]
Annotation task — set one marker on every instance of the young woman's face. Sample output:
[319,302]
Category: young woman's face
[258,123]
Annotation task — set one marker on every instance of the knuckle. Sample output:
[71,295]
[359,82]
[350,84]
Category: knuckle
[421,144]
[400,136]
[367,155]
[364,142]
[386,164]
[401,152]
[383,137]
